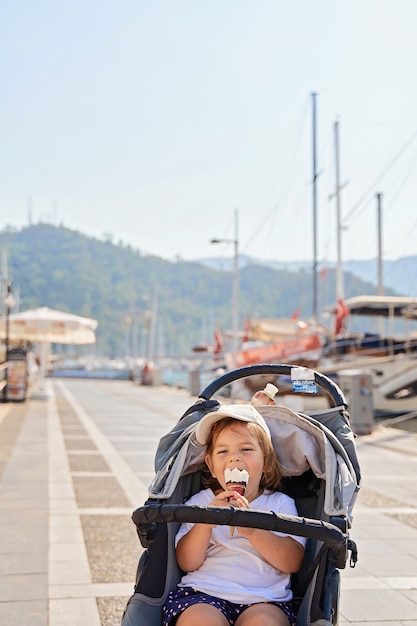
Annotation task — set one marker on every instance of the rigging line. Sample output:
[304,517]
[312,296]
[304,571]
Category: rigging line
[260,227]
[410,236]
[401,183]
[301,124]
[395,195]
[381,175]
[361,240]
[413,228]
[397,192]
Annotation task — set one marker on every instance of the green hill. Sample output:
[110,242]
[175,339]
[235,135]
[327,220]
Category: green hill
[119,286]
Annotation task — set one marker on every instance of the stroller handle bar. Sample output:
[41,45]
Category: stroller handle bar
[319,530]
[334,393]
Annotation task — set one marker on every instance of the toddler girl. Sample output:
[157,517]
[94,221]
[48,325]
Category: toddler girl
[243,577]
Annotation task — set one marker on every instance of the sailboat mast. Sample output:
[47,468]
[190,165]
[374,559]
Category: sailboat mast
[339,272]
[315,303]
[380,279]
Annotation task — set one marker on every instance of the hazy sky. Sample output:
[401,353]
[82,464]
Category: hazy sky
[154,120]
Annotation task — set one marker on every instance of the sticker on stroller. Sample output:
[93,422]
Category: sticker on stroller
[303,380]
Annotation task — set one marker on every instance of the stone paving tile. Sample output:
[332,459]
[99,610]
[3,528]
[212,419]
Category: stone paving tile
[73,429]
[87,463]
[24,612]
[113,547]
[10,426]
[32,586]
[387,605]
[405,546]
[406,518]
[111,610]
[74,612]
[135,446]
[375,499]
[391,564]
[80,444]
[13,563]
[412,594]
[100,491]
[67,416]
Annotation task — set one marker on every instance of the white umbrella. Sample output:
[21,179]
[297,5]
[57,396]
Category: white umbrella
[46,326]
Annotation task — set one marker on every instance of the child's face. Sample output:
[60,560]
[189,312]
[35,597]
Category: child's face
[235,446]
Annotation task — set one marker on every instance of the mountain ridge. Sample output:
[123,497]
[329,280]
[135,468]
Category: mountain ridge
[127,290]
[399,274]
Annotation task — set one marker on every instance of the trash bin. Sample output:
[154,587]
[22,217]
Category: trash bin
[357,387]
[194,382]
[157,377]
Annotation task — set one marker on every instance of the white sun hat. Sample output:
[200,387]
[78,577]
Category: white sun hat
[242,412]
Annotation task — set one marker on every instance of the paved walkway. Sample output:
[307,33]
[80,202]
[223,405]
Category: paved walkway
[382,589]
[69,483]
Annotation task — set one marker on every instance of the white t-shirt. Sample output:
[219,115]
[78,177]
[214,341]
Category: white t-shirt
[233,570]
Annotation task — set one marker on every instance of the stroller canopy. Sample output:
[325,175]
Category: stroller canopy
[322,442]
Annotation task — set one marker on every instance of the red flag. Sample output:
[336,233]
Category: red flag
[296,313]
[342,313]
[218,341]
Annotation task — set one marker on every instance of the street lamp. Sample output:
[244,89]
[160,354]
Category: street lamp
[9,302]
[235,294]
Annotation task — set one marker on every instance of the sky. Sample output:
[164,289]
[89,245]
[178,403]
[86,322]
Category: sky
[166,123]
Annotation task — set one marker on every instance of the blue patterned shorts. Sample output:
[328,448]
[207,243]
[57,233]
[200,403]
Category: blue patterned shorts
[183,597]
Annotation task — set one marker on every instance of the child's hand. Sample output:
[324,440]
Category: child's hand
[221,499]
[236,500]
[230,498]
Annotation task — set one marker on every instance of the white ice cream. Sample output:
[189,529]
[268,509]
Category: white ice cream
[236,476]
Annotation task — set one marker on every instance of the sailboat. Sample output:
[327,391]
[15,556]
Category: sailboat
[390,356]
[389,351]
[281,340]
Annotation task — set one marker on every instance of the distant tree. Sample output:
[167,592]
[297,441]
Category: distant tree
[62,268]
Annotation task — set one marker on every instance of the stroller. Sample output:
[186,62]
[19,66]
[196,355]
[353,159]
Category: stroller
[321,472]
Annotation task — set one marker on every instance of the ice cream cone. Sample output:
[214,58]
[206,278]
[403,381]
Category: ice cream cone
[236,480]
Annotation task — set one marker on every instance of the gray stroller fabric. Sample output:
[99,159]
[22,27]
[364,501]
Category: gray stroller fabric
[321,472]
